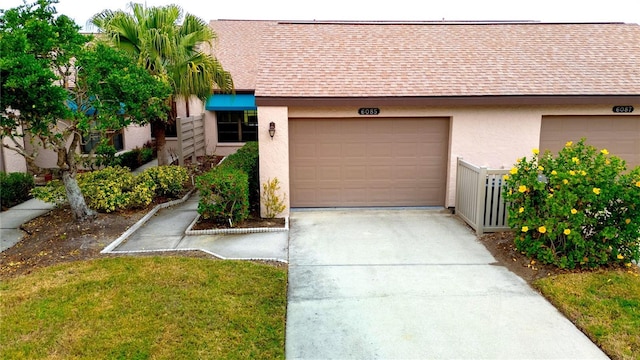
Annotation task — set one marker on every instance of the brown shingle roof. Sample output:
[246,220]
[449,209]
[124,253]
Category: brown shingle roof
[439,59]
[239,47]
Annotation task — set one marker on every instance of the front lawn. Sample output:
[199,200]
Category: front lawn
[145,307]
[605,305]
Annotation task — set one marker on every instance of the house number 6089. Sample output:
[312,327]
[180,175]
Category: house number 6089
[369,111]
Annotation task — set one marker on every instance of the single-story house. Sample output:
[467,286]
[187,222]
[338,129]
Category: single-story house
[367,114]
[373,114]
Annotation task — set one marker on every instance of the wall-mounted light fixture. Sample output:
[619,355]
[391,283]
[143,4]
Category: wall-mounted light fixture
[272,129]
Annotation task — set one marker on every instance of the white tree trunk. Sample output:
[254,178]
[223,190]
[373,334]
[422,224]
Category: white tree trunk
[79,208]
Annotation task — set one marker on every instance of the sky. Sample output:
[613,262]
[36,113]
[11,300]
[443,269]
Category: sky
[393,10]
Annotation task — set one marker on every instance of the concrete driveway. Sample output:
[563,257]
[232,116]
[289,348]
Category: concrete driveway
[412,284]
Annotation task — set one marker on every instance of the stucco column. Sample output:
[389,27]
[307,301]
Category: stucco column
[274,153]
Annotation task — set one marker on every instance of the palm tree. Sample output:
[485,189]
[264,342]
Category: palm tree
[168,49]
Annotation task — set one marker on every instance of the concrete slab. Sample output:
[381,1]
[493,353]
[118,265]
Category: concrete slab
[426,292]
[146,242]
[383,237]
[9,237]
[13,218]
[169,222]
[241,246]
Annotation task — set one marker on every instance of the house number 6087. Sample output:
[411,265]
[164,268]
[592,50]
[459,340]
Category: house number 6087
[369,111]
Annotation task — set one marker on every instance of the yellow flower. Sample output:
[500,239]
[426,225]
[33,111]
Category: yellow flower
[506,177]
[550,196]
[536,151]
[540,168]
[607,162]
[514,171]
[583,173]
[604,151]
[572,173]
[525,228]
[596,191]
[521,210]
[575,160]
[568,144]
[566,231]
[522,188]
[542,229]
[620,256]
[554,172]
[627,221]
[574,211]
[565,181]
[638,183]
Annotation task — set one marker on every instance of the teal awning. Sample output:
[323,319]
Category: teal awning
[231,102]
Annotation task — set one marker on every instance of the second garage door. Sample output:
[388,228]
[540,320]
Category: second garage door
[368,162]
[620,135]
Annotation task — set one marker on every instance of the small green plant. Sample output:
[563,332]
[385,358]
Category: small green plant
[224,195]
[170,180]
[273,203]
[15,188]
[247,160]
[580,208]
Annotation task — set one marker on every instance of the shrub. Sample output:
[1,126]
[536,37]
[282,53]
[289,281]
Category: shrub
[169,180]
[577,209]
[247,160]
[106,190]
[15,188]
[224,195]
[273,203]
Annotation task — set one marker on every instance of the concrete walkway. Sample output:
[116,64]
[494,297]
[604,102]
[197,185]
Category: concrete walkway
[412,284]
[165,231]
[13,218]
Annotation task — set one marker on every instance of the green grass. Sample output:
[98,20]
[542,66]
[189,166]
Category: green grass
[143,308]
[605,305]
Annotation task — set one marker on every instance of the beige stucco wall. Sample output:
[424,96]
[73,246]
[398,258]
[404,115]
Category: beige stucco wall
[491,136]
[12,161]
[274,153]
[136,136]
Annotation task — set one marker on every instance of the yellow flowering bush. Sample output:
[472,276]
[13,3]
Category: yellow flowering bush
[582,221]
[170,180]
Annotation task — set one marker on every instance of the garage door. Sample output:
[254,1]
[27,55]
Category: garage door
[368,162]
[618,134]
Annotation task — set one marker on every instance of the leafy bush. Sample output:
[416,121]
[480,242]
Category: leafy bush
[134,158]
[106,190]
[169,180]
[246,159]
[15,188]
[580,208]
[224,195]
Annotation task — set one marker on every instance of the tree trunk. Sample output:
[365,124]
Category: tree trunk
[79,208]
[159,134]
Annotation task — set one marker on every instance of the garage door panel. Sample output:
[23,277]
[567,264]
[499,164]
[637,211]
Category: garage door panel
[369,162]
[618,134]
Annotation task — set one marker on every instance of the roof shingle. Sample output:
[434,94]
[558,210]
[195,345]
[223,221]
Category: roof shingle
[432,59]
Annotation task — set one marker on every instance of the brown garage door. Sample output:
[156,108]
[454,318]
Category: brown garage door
[618,134]
[368,162]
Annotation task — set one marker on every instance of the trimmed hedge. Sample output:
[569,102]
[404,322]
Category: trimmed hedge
[224,195]
[247,160]
[15,188]
[228,191]
[116,188]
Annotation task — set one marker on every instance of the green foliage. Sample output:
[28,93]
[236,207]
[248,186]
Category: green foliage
[14,188]
[115,188]
[170,180]
[134,158]
[580,208]
[224,195]
[247,160]
[272,202]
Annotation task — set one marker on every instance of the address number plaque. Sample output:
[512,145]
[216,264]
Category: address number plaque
[623,109]
[369,111]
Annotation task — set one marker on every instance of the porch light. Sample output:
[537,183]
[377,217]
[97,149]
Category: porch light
[272,129]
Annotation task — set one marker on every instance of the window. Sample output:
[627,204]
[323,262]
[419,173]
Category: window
[237,126]
[89,142]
